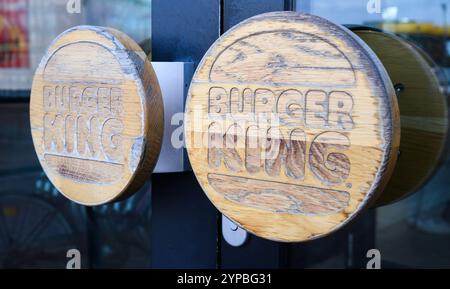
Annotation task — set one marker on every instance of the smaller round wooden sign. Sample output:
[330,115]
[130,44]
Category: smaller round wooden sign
[96,115]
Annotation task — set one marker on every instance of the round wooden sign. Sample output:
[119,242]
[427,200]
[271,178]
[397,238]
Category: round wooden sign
[423,112]
[292,126]
[96,115]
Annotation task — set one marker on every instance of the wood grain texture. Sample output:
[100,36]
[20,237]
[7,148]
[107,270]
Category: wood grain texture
[423,113]
[96,115]
[292,126]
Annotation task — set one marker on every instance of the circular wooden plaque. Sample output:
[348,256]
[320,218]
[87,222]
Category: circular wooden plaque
[292,126]
[423,113]
[96,115]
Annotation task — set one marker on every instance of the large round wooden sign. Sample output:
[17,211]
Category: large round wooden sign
[292,126]
[96,115]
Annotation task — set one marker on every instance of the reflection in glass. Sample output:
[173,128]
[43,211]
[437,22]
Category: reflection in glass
[37,224]
[413,232]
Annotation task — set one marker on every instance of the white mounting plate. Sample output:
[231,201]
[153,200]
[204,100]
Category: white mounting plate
[174,79]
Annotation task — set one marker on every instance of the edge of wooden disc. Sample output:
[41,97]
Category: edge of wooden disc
[420,102]
[149,92]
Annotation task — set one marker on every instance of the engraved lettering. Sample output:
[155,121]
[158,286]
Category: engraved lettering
[70,131]
[116,101]
[89,100]
[223,146]
[112,140]
[316,108]
[296,155]
[215,145]
[218,103]
[53,129]
[62,98]
[275,150]
[248,107]
[232,158]
[264,102]
[290,108]
[340,110]
[265,147]
[330,166]
[49,98]
[83,122]
[252,150]
[241,103]
[75,98]
[104,100]
[87,136]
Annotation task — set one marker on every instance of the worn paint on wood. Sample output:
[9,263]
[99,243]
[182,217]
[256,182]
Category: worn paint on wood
[96,115]
[292,126]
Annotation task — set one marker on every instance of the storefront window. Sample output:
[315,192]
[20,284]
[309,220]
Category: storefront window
[27,27]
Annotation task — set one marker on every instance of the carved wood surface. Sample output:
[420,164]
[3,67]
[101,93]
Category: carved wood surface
[96,115]
[292,126]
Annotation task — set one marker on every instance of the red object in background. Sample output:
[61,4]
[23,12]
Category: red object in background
[14,36]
